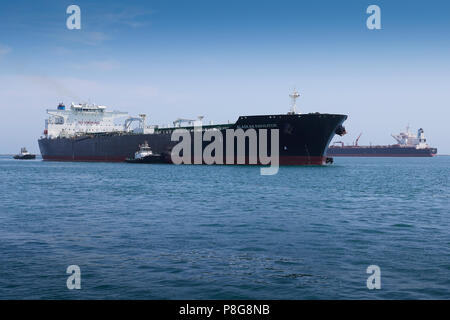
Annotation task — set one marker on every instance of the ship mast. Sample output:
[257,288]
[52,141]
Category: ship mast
[294,95]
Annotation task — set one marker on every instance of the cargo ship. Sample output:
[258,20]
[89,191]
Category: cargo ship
[86,132]
[408,145]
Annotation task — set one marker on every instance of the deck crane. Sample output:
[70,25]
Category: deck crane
[357,139]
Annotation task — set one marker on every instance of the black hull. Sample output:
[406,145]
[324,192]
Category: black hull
[380,151]
[303,139]
[27,157]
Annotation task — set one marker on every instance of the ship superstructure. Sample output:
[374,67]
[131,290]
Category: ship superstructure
[83,118]
[411,140]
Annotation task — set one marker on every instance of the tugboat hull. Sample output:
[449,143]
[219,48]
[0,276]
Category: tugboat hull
[25,157]
[155,158]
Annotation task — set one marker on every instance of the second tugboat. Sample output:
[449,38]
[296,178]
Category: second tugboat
[145,155]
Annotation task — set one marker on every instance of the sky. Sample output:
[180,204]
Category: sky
[226,58]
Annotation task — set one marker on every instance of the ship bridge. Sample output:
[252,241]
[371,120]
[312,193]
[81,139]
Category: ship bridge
[411,140]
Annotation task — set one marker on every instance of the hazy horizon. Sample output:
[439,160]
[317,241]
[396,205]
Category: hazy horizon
[223,59]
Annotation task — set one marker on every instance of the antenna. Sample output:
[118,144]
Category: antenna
[294,95]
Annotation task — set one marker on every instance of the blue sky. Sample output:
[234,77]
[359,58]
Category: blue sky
[222,59]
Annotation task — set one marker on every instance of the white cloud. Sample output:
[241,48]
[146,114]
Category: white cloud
[4,50]
[99,65]
[41,89]
[145,91]
[94,38]
[90,38]
[132,17]
[106,65]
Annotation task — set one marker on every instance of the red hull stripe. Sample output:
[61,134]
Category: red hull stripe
[284,160]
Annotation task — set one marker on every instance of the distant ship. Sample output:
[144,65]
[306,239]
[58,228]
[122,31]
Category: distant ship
[86,132]
[24,155]
[408,145]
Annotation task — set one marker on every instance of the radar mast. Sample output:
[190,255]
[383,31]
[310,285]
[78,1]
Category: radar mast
[294,95]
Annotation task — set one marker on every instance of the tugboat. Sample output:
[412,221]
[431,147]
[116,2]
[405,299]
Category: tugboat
[24,155]
[146,155]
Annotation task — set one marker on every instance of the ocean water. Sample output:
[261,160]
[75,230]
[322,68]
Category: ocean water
[225,232]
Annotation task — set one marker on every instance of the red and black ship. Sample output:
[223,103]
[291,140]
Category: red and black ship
[88,133]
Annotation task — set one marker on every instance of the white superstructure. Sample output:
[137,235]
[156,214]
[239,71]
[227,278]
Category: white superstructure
[24,151]
[144,151]
[411,140]
[85,118]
